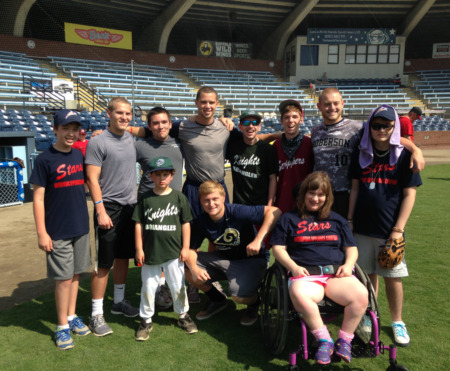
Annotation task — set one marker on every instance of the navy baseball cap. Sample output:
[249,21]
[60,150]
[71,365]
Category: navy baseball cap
[385,112]
[160,163]
[290,102]
[66,116]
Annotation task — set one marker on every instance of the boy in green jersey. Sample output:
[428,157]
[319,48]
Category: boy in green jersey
[162,217]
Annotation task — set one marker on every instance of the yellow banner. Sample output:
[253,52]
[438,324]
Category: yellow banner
[89,35]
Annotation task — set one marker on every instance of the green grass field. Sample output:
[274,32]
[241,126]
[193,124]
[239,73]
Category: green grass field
[26,331]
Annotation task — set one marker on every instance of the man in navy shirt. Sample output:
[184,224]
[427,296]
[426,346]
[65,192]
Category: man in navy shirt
[240,258]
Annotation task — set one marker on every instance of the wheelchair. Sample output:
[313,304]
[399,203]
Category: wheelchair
[277,311]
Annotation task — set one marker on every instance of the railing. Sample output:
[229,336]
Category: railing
[90,97]
[42,90]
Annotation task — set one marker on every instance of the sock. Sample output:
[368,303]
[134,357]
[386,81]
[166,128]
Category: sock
[162,281]
[70,318]
[398,323]
[346,336]
[119,293]
[148,320]
[256,303]
[322,334]
[182,315]
[63,327]
[97,306]
[214,295]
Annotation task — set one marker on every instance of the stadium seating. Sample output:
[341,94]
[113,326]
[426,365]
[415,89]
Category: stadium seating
[434,88]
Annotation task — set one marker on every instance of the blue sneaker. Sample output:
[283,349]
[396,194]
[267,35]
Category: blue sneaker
[324,352]
[78,327]
[343,349]
[63,339]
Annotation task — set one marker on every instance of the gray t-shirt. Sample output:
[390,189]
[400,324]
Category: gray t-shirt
[150,148]
[204,147]
[116,156]
[333,146]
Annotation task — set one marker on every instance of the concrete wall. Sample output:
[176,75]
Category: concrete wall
[46,48]
[341,70]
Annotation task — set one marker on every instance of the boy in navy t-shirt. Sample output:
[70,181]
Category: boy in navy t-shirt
[58,186]
[381,200]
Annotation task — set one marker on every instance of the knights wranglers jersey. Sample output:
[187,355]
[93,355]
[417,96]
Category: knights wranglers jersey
[333,146]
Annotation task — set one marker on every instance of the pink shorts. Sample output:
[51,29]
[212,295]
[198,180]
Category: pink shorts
[319,279]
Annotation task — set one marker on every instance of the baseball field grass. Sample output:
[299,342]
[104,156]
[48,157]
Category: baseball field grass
[26,331]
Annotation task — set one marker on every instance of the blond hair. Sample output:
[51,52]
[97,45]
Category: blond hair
[115,100]
[210,186]
[329,91]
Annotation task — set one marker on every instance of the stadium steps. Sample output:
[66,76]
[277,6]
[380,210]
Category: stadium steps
[413,98]
[60,73]
[193,85]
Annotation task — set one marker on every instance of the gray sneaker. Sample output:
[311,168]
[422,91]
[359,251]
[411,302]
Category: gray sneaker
[192,294]
[125,308]
[212,308]
[143,330]
[187,324]
[250,316]
[98,326]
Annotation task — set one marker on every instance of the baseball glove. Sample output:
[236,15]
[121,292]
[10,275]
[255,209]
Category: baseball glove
[392,254]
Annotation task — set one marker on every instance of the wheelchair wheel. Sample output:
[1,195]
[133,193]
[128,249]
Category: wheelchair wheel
[365,327]
[275,308]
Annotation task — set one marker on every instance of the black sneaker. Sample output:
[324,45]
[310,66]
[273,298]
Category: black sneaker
[212,308]
[250,316]
[187,324]
[125,308]
[143,330]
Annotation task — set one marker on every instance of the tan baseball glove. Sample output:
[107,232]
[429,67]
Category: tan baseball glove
[392,253]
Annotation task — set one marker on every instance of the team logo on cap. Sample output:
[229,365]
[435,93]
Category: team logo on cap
[160,162]
[381,109]
[71,113]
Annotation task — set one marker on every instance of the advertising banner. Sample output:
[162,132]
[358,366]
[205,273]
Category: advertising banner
[64,88]
[207,48]
[441,50]
[351,36]
[96,36]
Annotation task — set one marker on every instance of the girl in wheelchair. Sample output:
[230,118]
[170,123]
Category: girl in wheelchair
[317,248]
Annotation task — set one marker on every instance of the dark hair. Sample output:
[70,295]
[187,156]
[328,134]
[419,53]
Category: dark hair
[156,111]
[313,182]
[291,108]
[206,90]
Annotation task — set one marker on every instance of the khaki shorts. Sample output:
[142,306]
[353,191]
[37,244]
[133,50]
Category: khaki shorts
[368,250]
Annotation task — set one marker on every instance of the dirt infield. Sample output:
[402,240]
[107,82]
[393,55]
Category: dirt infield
[22,264]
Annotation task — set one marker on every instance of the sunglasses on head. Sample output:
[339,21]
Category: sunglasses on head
[248,123]
[378,127]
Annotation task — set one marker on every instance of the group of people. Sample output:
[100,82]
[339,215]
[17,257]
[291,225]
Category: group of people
[329,200]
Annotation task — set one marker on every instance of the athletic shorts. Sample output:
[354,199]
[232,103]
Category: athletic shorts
[319,279]
[244,276]
[340,204]
[69,257]
[118,241]
[190,190]
[368,250]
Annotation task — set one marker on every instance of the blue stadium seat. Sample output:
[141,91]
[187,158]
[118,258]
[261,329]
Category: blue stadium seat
[43,143]
[6,126]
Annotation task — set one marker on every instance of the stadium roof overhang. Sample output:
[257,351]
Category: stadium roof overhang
[261,22]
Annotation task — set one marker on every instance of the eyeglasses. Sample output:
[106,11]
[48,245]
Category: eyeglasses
[248,123]
[377,127]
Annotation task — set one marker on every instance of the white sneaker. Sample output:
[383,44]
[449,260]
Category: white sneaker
[401,336]
[367,325]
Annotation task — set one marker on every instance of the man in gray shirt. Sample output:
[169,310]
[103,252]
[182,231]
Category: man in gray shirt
[111,177]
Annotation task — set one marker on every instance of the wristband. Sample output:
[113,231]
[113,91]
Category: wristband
[350,221]
[98,202]
[131,130]
[395,229]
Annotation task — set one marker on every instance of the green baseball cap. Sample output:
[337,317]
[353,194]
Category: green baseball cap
[246,114]
[160,163]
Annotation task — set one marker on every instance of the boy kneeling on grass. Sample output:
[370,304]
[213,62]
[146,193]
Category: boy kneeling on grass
[381,200]
[163,233]
[62,221]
